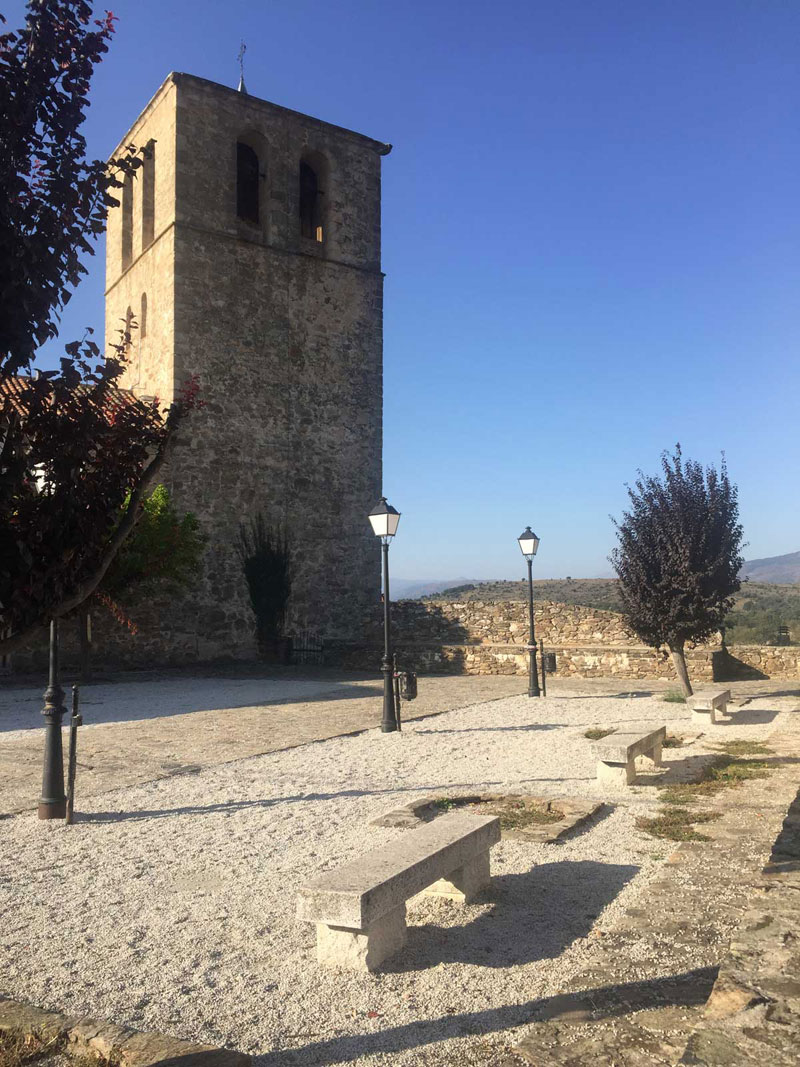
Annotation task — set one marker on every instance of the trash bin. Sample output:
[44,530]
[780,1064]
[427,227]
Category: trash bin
[408,685]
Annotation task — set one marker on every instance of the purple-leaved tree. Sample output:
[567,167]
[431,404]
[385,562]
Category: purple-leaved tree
[679,555]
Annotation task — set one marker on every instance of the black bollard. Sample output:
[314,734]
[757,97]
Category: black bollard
[75,721]
[53,802]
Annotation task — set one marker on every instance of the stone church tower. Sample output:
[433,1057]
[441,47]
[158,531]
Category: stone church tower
[247,249]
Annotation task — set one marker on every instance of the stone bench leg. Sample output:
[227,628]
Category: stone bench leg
[464,883]
[704,717]
[655,755]
[616,775]
[363,950]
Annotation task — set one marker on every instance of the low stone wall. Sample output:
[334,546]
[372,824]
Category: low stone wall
[489,637]
[761,661]
[502,622]
[470,637]
[594,661]
[106,1042]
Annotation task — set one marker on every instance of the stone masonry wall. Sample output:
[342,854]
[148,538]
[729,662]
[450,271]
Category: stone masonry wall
[284,333]
[762,661]
[587,662]
[490,638]
[428,642]
[502,622]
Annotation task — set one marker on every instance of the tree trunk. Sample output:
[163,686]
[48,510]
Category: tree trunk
[679,659]
[85,639]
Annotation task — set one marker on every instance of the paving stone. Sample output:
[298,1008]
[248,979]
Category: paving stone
[752,1015]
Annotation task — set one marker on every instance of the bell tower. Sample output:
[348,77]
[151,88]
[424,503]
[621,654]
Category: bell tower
[247,250]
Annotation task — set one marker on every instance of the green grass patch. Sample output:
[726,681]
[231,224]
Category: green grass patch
[744,748]
[597,734]
[515,813]
[723,773]
[674,696]
[672,742]
[677,824]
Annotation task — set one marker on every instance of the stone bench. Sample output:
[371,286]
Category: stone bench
[616,754]
[709,702]
[360,909]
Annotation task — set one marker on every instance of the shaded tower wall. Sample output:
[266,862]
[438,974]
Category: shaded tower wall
[283,330]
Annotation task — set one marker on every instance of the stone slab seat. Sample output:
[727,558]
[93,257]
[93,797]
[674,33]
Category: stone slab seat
[616,754]
[360,909]
[708,703]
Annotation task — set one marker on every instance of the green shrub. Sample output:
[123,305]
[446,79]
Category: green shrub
[674,696]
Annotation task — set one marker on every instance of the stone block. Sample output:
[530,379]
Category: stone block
[616,775]
[407,815]
[622,746]
[362,950]
[616,755]
[465,883]
[706,704]
[357,894]
[359,909]
[105,1040]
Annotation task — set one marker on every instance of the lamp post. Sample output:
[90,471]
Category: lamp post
[53,802]
[384,520]
[529,543]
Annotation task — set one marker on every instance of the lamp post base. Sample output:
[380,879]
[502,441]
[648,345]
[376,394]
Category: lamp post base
[55,809]
[389,721]
[533,677]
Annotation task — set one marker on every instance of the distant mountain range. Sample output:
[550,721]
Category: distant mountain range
[774,570]
[413,588]
[781,570]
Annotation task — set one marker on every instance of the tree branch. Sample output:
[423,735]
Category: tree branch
[16,641]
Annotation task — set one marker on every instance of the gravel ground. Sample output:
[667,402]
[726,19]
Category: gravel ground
[104,704]
[171,906]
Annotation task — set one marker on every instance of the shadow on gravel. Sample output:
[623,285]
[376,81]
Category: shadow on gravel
[770,694]
[632,694]
[689,989]
[125,703]
[230,806]
[495,729]
[750,717]
[785,855]
[536,915]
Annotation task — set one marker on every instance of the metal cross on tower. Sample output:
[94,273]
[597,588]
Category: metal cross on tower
[240,57]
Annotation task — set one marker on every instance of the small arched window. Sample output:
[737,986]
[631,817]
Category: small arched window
[143,318]
[148,193]
[247,175]
[127,221]
[310,203]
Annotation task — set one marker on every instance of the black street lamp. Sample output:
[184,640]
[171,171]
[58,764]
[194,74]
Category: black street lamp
[384,520]
[53,802]
[529,543]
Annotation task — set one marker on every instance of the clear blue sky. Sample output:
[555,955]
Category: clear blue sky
[591,239]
